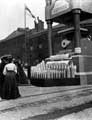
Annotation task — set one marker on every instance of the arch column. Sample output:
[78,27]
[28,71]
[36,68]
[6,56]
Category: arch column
[77,34]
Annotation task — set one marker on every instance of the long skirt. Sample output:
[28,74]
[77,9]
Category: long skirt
[10,89]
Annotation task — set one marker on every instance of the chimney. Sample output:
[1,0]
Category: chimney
[40,24]
[36,25]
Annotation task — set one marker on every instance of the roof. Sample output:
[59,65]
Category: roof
[20,31]
[15,34]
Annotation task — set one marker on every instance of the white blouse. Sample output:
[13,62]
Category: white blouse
[10,67]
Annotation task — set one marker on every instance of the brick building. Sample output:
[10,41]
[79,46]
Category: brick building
[38,41]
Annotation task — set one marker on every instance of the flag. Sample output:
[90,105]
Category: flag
[26,8]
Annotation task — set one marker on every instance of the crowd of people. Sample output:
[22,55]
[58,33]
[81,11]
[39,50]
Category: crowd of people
[8,79]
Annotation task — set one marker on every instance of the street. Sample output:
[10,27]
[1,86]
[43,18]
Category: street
[46,103]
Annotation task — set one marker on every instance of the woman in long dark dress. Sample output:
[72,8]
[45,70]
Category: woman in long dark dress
[10,89]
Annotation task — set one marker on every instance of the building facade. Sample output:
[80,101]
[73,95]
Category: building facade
[37,39]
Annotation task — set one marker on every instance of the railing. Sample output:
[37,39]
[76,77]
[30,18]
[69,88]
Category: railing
[54,70]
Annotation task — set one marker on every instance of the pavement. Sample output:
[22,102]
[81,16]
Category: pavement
[47,103]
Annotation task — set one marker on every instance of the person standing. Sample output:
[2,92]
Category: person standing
[21,76]
[2,64]
[10,89]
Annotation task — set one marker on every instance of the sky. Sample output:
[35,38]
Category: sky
[12,15]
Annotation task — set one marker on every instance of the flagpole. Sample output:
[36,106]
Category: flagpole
[25,33]
[26,47]
[27,51]
[24,16]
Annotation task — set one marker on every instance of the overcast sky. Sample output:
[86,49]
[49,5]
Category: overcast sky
[12,14]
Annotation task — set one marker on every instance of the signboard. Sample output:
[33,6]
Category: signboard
[60,6]
[55,8]
[84,5]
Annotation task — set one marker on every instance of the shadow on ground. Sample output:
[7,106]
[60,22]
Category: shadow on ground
[56,112]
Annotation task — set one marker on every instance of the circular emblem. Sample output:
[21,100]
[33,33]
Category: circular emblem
[65,42]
